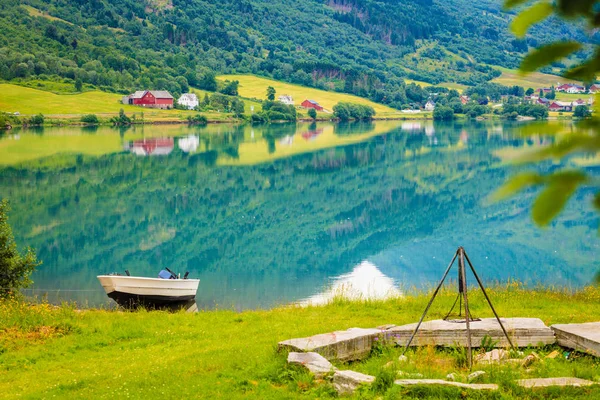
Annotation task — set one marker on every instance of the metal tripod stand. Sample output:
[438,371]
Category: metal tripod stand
[461,254]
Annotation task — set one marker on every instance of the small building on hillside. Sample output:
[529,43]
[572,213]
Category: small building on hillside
[150,98]
[311,104]
[464,99]
[544,90]
[188,100]
[430,105]
[594,88]
[575,89]
[543,101]
[560,106]
[286,99]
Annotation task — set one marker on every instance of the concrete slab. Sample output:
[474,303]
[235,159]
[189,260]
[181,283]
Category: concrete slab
[547,382]
[314,362]
[353,344]
[582,337]
[346,382]
[522,331]
[428,382]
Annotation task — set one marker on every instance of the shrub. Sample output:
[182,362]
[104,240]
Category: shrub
[312,113]
[15,268]
[582,111]
[346,111]
[197,119]
[443,113]
[89,119]
[36,120]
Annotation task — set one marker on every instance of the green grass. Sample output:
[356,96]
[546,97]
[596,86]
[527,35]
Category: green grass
[48,352]
[256,87]
[30,101]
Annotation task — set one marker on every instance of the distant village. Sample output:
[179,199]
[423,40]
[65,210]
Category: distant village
[162,99]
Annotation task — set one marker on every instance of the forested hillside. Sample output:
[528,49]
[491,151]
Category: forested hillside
[363,47]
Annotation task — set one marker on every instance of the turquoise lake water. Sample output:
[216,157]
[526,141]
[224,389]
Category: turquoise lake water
[272,215]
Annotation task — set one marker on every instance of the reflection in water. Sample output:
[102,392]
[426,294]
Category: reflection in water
[151,147]
[264,217]
[188,144]
[364,282]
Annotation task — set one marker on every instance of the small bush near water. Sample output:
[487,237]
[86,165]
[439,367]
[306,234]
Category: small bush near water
[89,119]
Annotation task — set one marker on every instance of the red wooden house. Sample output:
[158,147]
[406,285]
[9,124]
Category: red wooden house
[151,99]
[311,104]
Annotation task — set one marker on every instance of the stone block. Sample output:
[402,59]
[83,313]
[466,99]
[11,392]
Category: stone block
[314,362]
[352,344]
[546,382]
[346,382]
[522,331]
[428,382]
[583,337]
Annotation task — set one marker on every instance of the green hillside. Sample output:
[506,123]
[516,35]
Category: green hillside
[256,87]
[362,47]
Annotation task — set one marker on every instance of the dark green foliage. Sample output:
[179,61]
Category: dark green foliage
[197,119]
[15,268]
[271,93]
[347,111]
[275,111]
[443,113]
[36,120]
[237,107]
[312,113]
[537,111]
[230,88]
[89,119]
[122,119]
[582,111]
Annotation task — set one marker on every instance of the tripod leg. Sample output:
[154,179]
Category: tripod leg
[461,266]
[437,289]
[489,301]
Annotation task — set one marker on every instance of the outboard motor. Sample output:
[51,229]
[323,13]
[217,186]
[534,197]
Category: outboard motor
[186,274]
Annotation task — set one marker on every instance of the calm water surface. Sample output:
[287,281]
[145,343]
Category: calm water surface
[278,214]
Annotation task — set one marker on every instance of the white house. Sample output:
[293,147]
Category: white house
[286,99]
[575,89]
[189,100]
[429,106]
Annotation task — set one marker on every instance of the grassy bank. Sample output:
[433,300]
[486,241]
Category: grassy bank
[59,352]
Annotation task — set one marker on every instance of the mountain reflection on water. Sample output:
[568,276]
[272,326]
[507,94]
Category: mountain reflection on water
[268,215]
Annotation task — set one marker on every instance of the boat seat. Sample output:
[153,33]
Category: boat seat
[164,274]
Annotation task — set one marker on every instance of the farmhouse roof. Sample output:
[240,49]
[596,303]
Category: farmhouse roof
[189,96]
[312,102]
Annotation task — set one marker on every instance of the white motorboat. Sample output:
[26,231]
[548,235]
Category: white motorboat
[131,291]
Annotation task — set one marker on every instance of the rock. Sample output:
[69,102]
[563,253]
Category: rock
[427,382]
[410,375]
[352,344]
[583,337]
[314,362]
[492,357]
[530,359]
[546,382]
[403,359]
[451,377]
[475,376]
[346,382]
[553,354]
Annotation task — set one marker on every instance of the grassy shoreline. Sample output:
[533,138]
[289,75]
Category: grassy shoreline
[48,351]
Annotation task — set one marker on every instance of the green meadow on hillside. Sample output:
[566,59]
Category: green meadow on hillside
[256,87]
[29,101]
[48,351]
[535,80]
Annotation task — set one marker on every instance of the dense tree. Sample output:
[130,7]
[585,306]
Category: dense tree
[443,113]
[271,93]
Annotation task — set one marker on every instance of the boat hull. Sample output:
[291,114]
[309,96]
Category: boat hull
[130,291]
